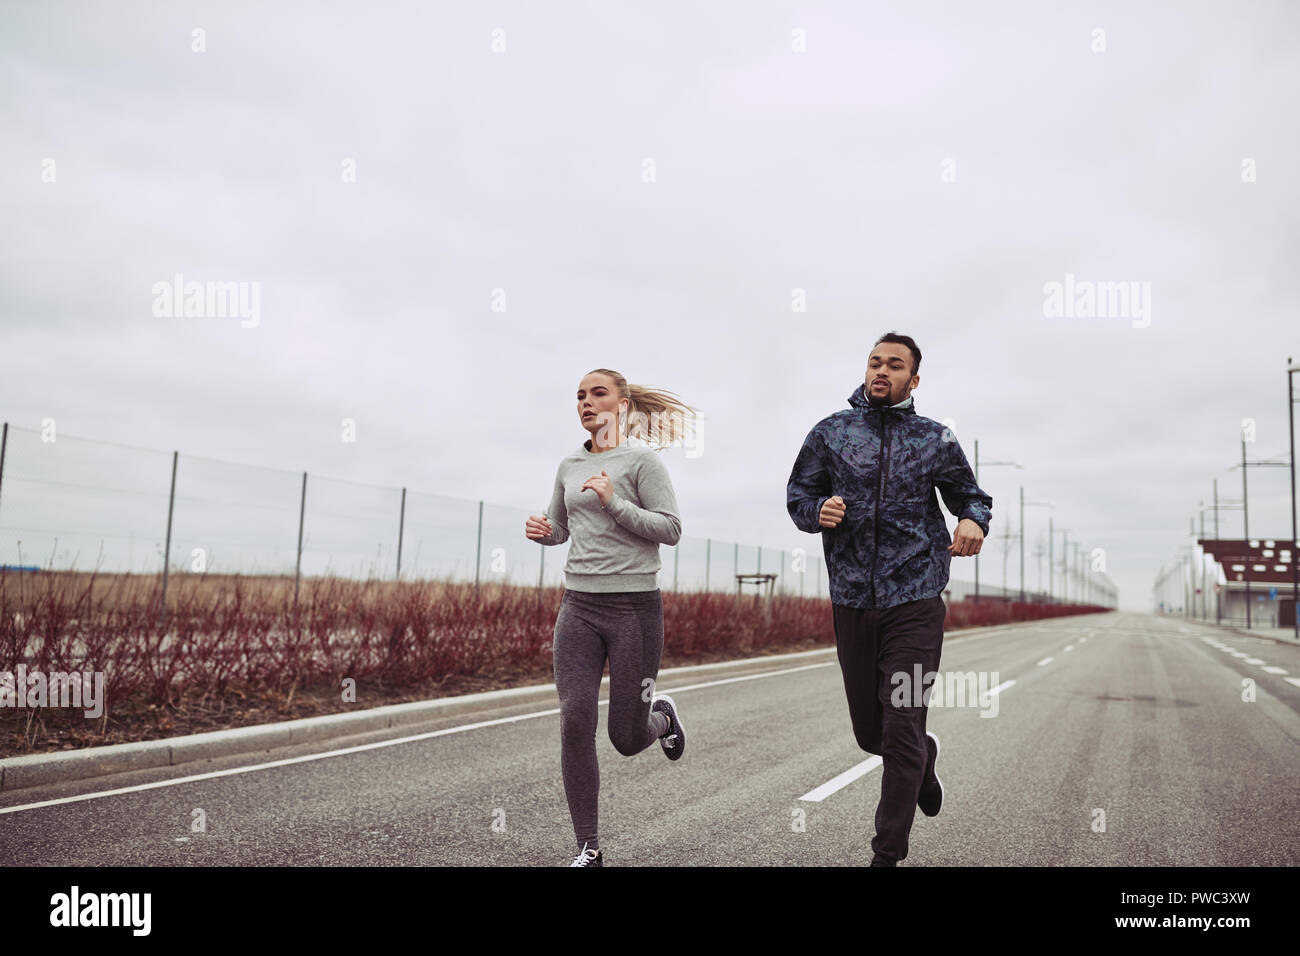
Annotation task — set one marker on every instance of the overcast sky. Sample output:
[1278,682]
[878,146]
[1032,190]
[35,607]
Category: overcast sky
[644,188]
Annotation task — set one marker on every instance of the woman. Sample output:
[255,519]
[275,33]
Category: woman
[616,503]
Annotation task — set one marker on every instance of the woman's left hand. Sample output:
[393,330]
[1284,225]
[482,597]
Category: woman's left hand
[600,484]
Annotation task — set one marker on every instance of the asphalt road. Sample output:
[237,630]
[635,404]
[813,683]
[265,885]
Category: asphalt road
[1136,722]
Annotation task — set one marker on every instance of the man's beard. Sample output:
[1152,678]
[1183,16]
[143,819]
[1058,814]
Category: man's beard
[878,400]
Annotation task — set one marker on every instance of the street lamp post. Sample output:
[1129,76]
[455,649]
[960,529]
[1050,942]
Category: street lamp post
[1065,564]
[1245,511]
[1077,568]
[1074,569]
[1245,524]
[1295,535]
[1023,505]
[990,464]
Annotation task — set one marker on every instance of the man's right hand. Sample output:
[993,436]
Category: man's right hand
[832,512]
[537,526]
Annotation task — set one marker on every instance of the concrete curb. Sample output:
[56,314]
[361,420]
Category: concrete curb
[34,770]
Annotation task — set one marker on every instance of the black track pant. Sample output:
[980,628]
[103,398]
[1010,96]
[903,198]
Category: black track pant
[875,646]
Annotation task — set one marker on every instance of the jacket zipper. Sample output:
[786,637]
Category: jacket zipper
[880,482]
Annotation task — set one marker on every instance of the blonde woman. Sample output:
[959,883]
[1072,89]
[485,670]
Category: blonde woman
[614,502]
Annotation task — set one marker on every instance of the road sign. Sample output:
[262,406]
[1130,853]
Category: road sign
[1272,594]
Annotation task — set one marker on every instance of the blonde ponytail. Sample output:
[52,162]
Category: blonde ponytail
[655,416]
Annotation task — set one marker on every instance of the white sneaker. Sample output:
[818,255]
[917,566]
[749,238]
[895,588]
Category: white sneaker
[674,741]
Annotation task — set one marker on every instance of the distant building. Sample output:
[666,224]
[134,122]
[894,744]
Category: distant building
[1265,567]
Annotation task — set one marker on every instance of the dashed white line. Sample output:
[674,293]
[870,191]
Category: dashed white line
[840,781]
[1045,661]
[818,794]
[1274,669]
[1292,680]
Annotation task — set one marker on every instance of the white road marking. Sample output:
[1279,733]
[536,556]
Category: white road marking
[1046,660]
[818,794]
[843,780]
[1069,647]
[276,763]
[1252,660]
[1292,680]
[733,680]
[1274,669]
[371,746]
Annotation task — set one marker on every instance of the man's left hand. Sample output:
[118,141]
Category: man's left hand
[967,540]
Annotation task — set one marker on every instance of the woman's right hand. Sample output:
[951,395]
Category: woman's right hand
[537,526]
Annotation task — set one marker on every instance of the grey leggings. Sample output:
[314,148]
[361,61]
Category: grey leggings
[628,627]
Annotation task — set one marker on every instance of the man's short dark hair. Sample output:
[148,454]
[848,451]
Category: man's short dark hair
[904,340]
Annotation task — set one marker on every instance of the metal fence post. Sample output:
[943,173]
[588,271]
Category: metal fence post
[4,442]
[478,555]
[167,551]
[302,514]
[401,527]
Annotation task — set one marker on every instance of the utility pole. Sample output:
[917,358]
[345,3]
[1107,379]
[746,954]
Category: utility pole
[1245,512]
[977,481]
[1245,523]
[1038,558]
[1050,534]
[1022,544]
[977,556]
[1078,570]
[1204,583]
[1218,607]
[1065,565]
[1295,535]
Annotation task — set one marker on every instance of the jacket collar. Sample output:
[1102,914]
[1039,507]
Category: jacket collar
[859,400]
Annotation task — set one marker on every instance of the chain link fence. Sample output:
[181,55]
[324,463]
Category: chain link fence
[79,504]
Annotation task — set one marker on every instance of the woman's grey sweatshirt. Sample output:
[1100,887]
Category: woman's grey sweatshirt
[614,547]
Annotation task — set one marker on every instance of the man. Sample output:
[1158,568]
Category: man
[865,481]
